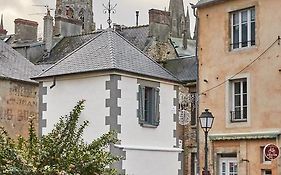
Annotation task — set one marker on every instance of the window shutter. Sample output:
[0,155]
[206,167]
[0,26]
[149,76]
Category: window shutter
[156,101]
[141,104]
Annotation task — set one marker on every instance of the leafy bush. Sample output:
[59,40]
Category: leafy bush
[61,152]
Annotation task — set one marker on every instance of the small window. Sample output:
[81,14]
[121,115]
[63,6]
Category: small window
[266,172]
[69,12]
[243,28]
[239,100]
[148,106]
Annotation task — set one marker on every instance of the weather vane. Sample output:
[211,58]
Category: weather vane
[109,9]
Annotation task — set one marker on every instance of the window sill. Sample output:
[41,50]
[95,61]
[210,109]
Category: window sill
[243,49]
[145,125]
[238,121]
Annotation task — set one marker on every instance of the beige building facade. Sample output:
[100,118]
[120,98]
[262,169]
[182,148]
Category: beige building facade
[240,73]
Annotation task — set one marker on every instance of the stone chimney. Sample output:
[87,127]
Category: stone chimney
[3,32]
[48,32]
[25,30]
[117,27]
[159,24]
[137,18]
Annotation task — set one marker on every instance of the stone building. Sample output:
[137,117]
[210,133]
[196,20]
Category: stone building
[73,17]
[239,73]
[18,93]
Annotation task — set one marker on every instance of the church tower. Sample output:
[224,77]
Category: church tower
[179,22]
[73,17]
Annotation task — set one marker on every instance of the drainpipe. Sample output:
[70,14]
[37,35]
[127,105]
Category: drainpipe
[197,89]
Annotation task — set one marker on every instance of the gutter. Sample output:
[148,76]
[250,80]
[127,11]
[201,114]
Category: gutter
[200,5]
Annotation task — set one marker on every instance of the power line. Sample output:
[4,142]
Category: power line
[252,62]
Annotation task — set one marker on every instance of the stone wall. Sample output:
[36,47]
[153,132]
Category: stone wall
[18,102]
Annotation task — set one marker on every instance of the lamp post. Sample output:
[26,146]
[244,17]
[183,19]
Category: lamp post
[206,122]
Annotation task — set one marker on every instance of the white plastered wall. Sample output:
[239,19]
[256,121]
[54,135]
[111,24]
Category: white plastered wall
[64,96]
[148,150]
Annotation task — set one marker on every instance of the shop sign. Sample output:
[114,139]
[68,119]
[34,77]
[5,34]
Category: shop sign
[271,151]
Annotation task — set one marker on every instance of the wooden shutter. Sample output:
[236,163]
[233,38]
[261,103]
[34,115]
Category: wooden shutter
[141,96]
[155,107]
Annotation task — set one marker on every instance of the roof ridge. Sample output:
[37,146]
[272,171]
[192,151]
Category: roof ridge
[86,43]
[134,27]
[111,48]
[146,55]
[84,34]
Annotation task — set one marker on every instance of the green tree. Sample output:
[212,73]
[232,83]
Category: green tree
[61,152]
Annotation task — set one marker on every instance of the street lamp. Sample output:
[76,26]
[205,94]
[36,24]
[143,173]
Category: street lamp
[206,122]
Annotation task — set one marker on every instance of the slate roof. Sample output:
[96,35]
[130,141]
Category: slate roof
[14,66]
[184,69]
[108,51]
[202,3]
[178,45]
[138,35]
[65,46]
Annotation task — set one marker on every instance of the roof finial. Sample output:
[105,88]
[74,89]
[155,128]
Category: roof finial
[109,9]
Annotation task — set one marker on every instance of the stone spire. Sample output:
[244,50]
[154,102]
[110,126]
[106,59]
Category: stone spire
[1,24]
[188,36]
[178,22]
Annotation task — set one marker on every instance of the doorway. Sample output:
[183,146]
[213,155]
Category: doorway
[228,166]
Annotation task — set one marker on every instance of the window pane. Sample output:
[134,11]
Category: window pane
[237,99]
[237,88]
[253,14]
[244,87]
[244,16]
[235,18]
[237,113]
[244,35]
[223,167]
[235,37]
[245,100]
[253,33]
[244,112]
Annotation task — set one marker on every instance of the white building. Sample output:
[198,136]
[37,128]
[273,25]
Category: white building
[125,91]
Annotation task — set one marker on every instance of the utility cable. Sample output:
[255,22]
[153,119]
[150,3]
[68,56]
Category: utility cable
[252,62]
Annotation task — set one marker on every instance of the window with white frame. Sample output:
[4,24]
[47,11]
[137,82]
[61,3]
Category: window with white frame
[266,172]
[243,28]
[239,96]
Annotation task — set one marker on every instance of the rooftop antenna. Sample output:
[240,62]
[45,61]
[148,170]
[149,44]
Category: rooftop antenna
[109,8]
[48,9]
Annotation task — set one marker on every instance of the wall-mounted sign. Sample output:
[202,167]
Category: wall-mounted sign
[271,151]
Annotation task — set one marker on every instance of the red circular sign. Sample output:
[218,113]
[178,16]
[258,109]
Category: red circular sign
[271,151]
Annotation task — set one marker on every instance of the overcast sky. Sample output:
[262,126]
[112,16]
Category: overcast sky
[125,11]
